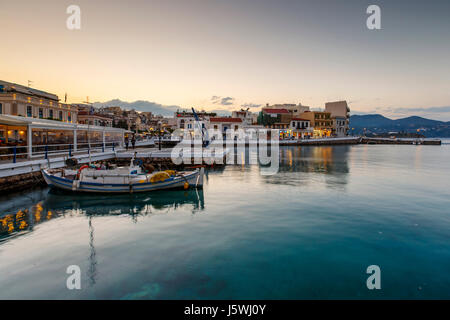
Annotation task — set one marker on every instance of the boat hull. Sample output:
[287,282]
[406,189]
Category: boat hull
[194,179]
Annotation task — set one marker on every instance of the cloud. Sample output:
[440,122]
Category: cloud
[443,109]
[224,101]
[251,105]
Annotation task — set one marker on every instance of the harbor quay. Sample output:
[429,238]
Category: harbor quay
[24,173]
[38,131]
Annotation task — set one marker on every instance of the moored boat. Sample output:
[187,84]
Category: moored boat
[121,180]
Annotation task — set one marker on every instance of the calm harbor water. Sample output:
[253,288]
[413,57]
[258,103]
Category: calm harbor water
[309,231]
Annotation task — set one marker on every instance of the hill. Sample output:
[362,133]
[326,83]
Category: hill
[148,106]
[376,123]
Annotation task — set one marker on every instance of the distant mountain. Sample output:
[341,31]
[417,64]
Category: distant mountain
[155,108]
[140,105]
[376,123]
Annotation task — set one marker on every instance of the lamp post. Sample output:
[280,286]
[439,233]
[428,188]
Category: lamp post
[159,133]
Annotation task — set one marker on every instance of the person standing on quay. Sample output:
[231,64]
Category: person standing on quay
[133,141]
[126,142]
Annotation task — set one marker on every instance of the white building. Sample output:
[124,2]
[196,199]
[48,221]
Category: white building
[300,128]
[248,118]
[340,126]
[224,124]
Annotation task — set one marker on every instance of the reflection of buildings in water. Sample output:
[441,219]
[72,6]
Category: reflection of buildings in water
[332,161]
[132,204]
[57,204]
[23,220]
[20,219]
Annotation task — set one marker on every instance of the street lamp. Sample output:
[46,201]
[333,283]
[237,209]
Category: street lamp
[159,133]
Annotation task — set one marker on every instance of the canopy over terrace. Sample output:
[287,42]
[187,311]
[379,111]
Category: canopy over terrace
[33,133]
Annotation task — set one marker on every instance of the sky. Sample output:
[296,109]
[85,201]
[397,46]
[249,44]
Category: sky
[228,54]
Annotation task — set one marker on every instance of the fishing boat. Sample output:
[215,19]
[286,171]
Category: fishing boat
[121,180]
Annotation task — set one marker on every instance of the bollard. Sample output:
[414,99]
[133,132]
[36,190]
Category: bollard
[15,155]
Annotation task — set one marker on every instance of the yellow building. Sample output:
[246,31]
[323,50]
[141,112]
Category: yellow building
[320,121]
[18,100]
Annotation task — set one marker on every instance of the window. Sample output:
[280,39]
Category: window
[50,115]
[29,111]
[41,113]
[60,115]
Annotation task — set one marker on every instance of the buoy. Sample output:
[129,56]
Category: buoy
[81,169]
[186,185]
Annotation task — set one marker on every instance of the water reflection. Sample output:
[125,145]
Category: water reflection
[132,204]
[43,205]
[297,164]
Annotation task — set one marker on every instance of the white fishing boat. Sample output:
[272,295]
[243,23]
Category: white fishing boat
[121,180]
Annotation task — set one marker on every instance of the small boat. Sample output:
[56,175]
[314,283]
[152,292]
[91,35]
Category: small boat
[121,180]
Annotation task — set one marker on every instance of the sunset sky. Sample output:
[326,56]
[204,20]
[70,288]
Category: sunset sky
[224,54]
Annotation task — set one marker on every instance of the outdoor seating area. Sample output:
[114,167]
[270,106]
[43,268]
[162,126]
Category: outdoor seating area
[30,138]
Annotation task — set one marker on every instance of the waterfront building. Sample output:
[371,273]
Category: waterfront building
[276,119]
[272,118]
[95,119]
[185,120]
[321,121]
[340,127]
[18,100]
[294,109]
[339,109]
[27,137]
[246,116]
[225,123]
[301,128]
